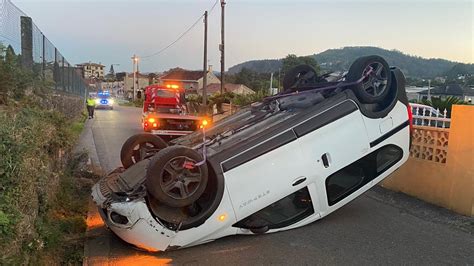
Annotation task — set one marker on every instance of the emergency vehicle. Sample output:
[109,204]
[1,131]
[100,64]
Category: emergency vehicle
[165,112]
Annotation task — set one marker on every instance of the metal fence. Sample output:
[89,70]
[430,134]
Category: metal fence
[37,52]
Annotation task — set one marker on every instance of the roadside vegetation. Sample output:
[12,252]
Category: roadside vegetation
[43,203]
[442,104]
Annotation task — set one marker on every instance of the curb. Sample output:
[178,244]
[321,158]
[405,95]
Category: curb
[95,240]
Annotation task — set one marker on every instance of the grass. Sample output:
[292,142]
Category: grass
[62,228]
[43,191]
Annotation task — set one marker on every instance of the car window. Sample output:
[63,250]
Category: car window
[165,94]
[282,213]
[388,156]
[354,176]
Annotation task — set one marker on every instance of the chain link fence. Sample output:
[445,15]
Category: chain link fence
[37,52]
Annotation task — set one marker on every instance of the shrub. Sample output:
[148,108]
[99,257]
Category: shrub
[443,104]
[244,100]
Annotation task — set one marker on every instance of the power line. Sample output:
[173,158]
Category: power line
[212,8]
[180,36]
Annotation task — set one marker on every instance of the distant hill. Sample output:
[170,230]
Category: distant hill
[340,59]
[260,66]
[460,69]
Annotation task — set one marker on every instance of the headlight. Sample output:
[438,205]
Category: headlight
[111,101]
[97,101]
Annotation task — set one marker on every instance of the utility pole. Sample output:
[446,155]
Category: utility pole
[221,47]
[429,89]
[271,83]
[204,80]
[279,73]
[135,61]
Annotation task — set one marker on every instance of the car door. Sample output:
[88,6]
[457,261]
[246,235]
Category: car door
[330,141]
[264,174]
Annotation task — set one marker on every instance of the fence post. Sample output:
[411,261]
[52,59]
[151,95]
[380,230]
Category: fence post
[55,69]
[62,74]
[424,118]
[44,57]
[26,42]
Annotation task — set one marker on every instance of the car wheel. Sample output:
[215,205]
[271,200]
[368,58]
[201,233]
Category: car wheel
[173,179]
[376,85]
[299,76]
[139,147]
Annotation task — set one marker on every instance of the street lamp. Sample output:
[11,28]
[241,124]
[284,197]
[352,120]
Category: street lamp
[135,64]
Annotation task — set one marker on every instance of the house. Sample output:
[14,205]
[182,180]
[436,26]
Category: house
[90,70]
[453,90]
[413,92]
[229,87]
[190,80]
[141,80]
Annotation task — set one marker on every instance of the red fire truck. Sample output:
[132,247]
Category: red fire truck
[165,112]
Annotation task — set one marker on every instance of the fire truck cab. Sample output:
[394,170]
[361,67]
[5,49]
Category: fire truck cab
[165,112]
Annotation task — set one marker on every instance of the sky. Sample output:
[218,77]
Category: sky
[111,31]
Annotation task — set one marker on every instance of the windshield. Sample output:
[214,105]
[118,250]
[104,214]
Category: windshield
[165,94]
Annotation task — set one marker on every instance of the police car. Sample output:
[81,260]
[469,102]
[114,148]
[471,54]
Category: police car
[104,101]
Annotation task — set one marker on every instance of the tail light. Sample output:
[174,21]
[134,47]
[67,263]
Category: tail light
[410,121]
[410,118]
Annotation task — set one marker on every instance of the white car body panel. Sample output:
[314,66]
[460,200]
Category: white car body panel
[213,224]
[263,181]
[398,115]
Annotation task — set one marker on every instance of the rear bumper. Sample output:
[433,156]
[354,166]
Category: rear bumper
[170,132]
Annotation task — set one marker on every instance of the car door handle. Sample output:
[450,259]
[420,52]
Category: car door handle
[298,181]
[326,160]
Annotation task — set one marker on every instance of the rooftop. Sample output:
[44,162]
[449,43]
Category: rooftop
[450,89]
[216,87]
[90,64]
[182,74]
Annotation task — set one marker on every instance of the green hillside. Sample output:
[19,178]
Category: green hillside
[340,60]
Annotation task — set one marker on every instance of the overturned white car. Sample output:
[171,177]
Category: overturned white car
[279,164]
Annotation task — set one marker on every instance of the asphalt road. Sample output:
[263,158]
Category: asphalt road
[380,227]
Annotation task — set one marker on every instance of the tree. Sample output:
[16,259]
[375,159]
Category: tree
[292,60]
[110,77]
[120,76]
[112,71]
[442,105]
[152,78]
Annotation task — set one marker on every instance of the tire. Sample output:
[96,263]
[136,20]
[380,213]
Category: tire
[169,182]
[299,75]
[375,87]
[148,145]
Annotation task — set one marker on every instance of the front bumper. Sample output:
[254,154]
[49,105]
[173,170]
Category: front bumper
[104,106]
[131,220]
